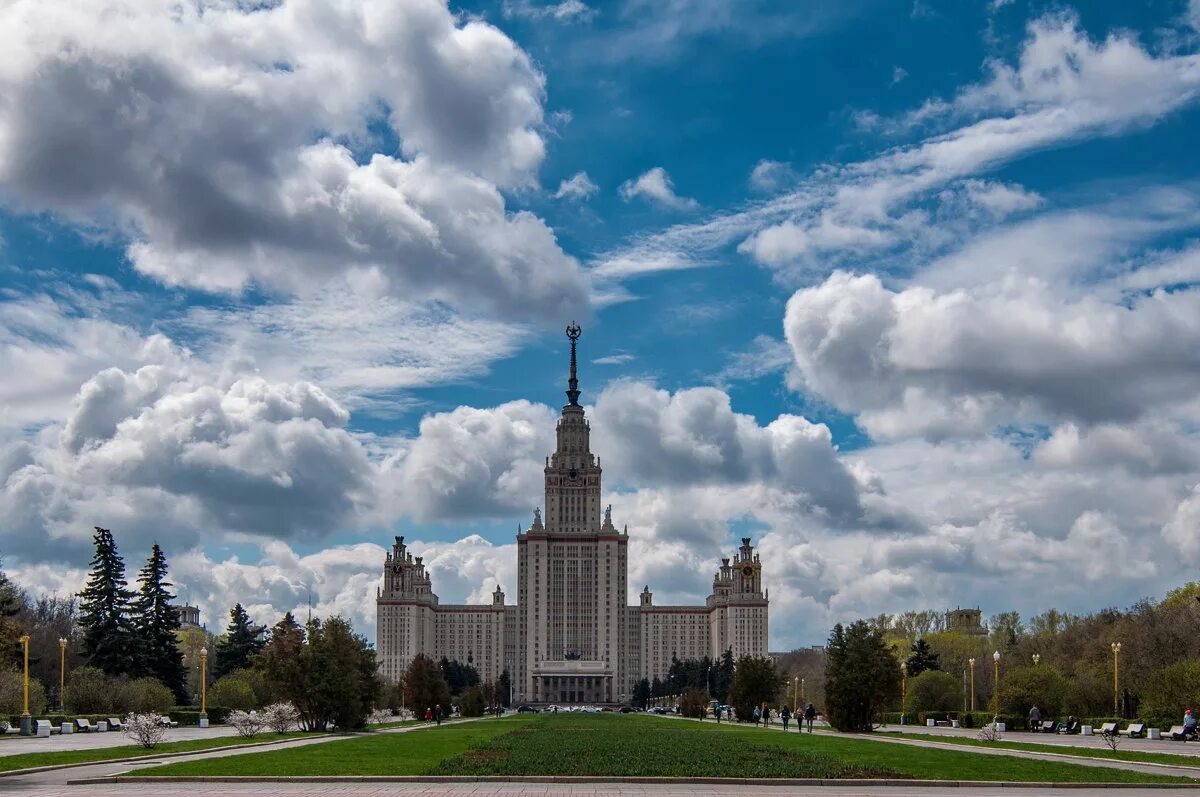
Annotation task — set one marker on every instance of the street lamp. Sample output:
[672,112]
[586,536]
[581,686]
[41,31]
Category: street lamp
[803,691]
[971,662]
[996,680]
[203,687]
[62,672]
[796,692]
[903,684]
[26,720]
[1116,649]
[1037,659]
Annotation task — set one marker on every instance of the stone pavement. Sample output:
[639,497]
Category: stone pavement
[19,745]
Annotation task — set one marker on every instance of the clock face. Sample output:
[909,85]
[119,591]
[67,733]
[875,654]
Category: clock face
[747,571]
[572,474]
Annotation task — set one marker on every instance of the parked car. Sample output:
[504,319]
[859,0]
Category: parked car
[526,710]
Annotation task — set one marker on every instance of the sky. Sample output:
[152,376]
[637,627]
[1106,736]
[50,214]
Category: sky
[908,292]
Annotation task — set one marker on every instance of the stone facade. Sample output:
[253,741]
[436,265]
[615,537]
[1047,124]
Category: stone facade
[570,638]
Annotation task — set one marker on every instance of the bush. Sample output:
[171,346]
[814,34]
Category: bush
[280,717]
[145,729]
[12,697]
[143,696]
[472,703]
[1024,687]
[694,703]
[190,715]
[234,690]
[247,723]
[933,691]
[755,681]
[89,691]
[1172,689]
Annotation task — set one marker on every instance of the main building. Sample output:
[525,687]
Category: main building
[570,638]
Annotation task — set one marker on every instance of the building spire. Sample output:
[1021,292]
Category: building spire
[573,332]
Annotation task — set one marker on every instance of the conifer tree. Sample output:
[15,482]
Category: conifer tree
[241,641]
[11,601]
[922,659]
[156,623]
[108,637]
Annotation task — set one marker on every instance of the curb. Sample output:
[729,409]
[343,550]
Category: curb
[880,783]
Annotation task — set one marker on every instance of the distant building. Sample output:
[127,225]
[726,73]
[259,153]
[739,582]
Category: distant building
[570,638]
[966,621]
[189,616]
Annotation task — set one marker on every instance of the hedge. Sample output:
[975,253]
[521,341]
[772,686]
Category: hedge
[190,715]
[58,719]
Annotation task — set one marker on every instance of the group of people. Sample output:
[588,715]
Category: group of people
[1188,733]
[434,714]
[763,715]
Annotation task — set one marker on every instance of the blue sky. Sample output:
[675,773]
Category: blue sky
[905,290]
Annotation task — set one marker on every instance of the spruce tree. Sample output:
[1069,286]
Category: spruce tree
[156,624]
[241,641]
[922,659]
[108,637]
[11,601]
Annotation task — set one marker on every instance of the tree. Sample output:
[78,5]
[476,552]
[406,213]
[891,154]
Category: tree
[1022,688]
[90,691]
[109,642]
[12,694]
[156,624]
[933,691]
[11,601]
[241,640]
[923,658]
[332,681]
[755,681]
[861,676]
[472,702]
[1172,689]
[424,686]
[641,693]
[694,703]
[722,680]
[504,688]
[141,696]
[280,662]
[459,677]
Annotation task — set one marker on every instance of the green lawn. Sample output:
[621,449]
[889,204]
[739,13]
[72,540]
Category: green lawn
[608,744]
[24,760]
[1138,756]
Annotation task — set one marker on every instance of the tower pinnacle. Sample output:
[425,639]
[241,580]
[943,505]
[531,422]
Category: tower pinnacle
[573,332]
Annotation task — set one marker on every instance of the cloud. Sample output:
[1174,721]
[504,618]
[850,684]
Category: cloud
[1180,530]
[578,187]
[614,359]
[566,11]
[1064,88]
[769,176]
[898,74]
[919,361]
[261,175]
[657,187]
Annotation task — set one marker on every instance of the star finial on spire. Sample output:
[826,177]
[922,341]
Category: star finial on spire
[573,332]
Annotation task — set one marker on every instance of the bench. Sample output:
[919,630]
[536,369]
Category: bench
[115,724]
[66,728]
[1108,729]
[1046,726]
[1135,730]
[101,726]
[42,728]
[167,722]
[85,726]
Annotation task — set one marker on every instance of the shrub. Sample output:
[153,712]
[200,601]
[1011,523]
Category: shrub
[933,691]
[234,690]
[190,715]
[381,716]
[143,696]
[12,699]
[145,729]
[694,703]
[89,691]
[755,681]
[472,703]
[1024,687]
[281,717]
[1172,689]
[247,723]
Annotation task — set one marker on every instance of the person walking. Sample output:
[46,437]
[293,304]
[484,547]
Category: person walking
[785,715]
[1035,719]
[717,711]
[437,713]
[757,715]
[428,714]
[810,714]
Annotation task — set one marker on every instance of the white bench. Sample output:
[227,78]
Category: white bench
[66,728]
[115,724]
[1134,731]
[42,728]
[84,726]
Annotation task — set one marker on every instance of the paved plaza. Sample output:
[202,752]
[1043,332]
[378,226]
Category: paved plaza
[12,744]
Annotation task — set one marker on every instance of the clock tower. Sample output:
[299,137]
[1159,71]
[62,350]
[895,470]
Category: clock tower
[572,471]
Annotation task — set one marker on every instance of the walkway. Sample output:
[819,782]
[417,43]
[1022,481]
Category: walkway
[20,745]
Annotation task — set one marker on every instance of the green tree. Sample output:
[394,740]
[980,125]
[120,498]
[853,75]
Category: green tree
[862,676]
[280,662]
[90,691]
[933,690]
[236,690]
[504,688]
[109,642]
[1022,688]
[722,680]
[472,702]
[241,641]
[142,696]
[156,624]
[424,686]
[459,677]
[12,694]
[641,693]
[755,681]
[923,658]
[1172,689]
[11,601]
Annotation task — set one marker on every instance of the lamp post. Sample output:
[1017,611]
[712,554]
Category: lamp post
[62,672]
[803,691]
[903,687]
[996,680]
[971,662]
[203,687]
[26,720]
[796,692]
[1037,659]
[1116,649]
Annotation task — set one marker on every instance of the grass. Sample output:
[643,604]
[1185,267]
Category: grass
[23,760]
[1136,756]
[377,754]
[610,745]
